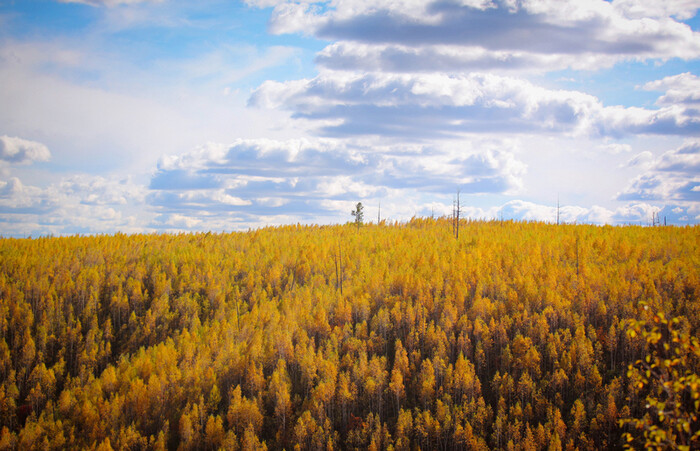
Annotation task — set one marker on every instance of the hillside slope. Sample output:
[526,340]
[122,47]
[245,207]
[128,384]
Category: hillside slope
[391,336]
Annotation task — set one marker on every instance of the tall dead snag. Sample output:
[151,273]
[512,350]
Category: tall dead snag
[455,216]
[339,270]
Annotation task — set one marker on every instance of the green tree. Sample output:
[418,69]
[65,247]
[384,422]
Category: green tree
[358,214]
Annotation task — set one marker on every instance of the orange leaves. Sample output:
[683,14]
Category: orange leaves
[243,413]
[391,336]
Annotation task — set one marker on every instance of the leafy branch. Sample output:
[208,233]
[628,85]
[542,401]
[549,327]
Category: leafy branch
[668,375]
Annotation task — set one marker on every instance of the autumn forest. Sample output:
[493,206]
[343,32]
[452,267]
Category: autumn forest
[515,335]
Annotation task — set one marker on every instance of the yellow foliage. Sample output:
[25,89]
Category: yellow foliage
[392,336]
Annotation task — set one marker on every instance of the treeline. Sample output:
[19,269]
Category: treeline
[387,337]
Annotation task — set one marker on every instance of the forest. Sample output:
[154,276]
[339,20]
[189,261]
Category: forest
[389,336]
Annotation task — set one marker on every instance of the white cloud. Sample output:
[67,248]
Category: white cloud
[680,89]
[82,203]
[674,176]
[529,211]
[681,9]
[639,213]
[17,197]
[21,151]
[685,160]
[406,115]
[521,210]
[422,106]
[304,177]
[97,190]
[396,35]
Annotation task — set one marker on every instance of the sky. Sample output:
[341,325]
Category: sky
[143,116]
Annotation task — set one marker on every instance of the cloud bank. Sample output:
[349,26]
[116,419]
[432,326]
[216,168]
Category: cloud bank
[321,177]
[428,106]
[480,35]
[76,204]
[673,177]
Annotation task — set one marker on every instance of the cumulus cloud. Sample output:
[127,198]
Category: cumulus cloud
[76,204]
[440,105]
[547,27]
[96,190]
[680,89]
[530,211]
[15,197]
[681,9]
[409,72]
[267,158]
[674,176]
[21,151]
[469,35]
[309,178]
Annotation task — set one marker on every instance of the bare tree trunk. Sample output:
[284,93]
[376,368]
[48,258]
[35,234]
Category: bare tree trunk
[455,216]
[458,211]
[339,270]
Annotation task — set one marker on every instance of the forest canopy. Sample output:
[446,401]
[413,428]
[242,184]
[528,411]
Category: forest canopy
[387,336]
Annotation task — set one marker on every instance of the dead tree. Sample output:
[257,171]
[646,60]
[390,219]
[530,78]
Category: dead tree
[456,207]
[339,270]
[557,209]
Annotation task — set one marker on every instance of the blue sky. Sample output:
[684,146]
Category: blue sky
[169,115]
